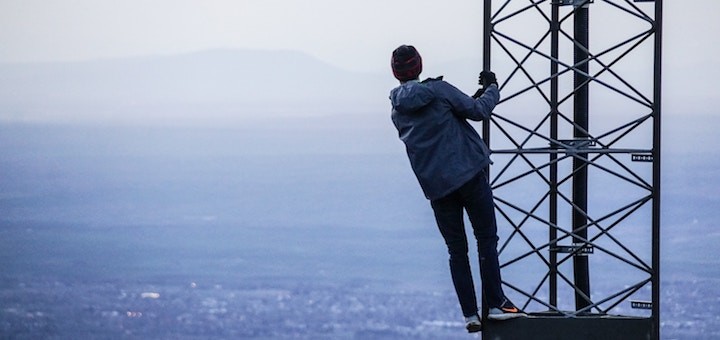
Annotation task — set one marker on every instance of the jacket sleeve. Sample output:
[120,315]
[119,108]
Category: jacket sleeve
[469,108]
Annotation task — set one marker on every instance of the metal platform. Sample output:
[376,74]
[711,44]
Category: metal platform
[554,327]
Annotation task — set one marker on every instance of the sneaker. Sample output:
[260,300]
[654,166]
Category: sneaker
[505,311]
[472,324]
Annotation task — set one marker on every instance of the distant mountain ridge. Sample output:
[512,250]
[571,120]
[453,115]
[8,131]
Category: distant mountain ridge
[223,84]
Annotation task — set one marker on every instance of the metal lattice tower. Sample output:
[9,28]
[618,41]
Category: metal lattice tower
[576,146]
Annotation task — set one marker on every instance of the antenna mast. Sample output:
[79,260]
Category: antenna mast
[576,179]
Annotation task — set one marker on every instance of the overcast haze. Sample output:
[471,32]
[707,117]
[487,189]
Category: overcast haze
[355,36]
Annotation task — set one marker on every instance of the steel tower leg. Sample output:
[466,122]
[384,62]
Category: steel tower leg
[580,168]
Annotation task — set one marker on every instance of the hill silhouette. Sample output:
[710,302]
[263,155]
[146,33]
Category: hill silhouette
[215,85]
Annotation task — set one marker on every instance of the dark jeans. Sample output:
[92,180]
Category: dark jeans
[476,198]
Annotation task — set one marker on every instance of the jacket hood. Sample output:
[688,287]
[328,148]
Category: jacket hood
[411,96]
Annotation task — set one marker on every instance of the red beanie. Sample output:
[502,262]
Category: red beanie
[406,63]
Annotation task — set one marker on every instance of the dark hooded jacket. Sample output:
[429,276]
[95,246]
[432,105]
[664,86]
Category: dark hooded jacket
[445,151]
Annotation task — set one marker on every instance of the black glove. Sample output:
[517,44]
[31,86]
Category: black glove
[478,93]
[487,78]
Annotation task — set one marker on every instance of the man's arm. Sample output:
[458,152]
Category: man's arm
[469,108]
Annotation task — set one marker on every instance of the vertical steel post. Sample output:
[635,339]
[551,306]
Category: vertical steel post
[657,98]
[554,111]
[487,27]
[580,167]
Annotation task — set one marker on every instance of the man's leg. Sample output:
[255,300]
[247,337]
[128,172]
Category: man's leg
[449,216]
[478,200]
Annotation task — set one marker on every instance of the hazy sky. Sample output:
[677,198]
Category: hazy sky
[355,35]
[352,34]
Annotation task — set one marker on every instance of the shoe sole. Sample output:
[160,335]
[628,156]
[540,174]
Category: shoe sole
[506,316]
[473,328]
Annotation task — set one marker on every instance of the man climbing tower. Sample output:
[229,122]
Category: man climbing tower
[449,158]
